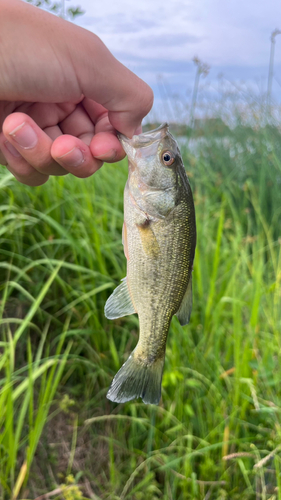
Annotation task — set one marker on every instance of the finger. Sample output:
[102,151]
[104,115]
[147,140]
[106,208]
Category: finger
[97,113]
[104,144]
[92,118]
[53,132]
[18,166]
[106,147]
[31,142]
[79,124]
[74,156]
[46,114]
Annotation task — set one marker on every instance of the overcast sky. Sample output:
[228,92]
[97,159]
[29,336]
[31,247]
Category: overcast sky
[158,39]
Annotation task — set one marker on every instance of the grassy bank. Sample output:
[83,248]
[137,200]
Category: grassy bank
[216,433]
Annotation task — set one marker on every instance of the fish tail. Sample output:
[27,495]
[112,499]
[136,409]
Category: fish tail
[138,379]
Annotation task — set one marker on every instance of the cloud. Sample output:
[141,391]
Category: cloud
[156,65]
[169,40]
[118,23]
[161,38]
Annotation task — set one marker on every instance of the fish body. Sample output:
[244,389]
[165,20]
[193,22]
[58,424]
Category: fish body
[159,238]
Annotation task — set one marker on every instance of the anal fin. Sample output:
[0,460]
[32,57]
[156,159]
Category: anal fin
[119,303]
[185,308]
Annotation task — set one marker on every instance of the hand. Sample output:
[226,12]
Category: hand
[62,97]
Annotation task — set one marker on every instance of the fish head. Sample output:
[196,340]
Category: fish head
[154,157]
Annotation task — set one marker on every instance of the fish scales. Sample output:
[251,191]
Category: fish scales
[159,240]
[151,292]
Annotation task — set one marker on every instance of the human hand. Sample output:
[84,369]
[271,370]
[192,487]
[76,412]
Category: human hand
[63,95]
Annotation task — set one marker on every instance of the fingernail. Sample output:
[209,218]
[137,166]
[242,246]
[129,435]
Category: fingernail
[24,136]
[110,155]
[11,149]
[73,158]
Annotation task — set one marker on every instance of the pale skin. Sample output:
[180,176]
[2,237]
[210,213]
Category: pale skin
[63,96]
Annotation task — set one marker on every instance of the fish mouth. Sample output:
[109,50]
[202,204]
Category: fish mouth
[145,138]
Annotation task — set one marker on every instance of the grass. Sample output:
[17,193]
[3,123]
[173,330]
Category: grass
[216,433]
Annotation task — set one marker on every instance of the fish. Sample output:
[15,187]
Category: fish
[159,239]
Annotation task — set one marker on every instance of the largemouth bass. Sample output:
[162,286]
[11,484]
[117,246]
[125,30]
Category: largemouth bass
[159,238]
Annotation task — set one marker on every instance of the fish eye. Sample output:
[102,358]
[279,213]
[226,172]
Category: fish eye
[168,158]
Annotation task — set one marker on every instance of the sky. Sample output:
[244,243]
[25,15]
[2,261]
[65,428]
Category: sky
[158,39]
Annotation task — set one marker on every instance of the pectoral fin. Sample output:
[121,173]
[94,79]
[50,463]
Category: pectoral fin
[185,308]
[148,239]
[119,303]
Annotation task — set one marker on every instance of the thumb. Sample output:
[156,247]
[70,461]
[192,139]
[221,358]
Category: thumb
[105,80]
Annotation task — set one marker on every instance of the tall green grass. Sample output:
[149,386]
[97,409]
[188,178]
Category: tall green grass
[216,433]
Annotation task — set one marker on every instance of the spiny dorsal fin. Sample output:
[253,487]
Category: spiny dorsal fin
[119,303]
[185,308]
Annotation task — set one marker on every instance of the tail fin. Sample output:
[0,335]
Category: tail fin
[137,379]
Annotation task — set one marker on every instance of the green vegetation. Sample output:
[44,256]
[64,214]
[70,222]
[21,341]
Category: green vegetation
[217,433]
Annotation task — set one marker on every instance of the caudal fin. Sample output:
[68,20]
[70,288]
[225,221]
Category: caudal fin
[137,379]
